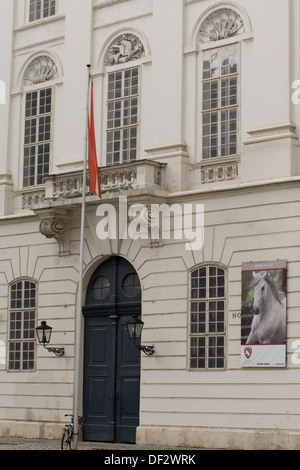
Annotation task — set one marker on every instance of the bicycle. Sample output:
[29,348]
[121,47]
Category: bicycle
[68,433]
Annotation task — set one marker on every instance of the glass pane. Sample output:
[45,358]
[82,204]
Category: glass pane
[197,359]
[29,166]
[29,294]
[28,356]
[216,317]
[101,287]
[229,91]
[198,318]
[229,59]
[52,7]
[35,8]
[31,104]
[44,128]
[114,85]
[210,95]
[131,285]
[131,82]
[45,101]
[14,356]
[228,132]
[211,64]
[43,162]
[122,113]
[30,131]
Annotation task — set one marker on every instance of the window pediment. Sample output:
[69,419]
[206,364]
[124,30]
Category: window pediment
[40,70]
[221,24]
[125,48]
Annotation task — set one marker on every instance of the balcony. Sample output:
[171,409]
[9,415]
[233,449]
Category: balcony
[144,176]
[137,178]
[54,201]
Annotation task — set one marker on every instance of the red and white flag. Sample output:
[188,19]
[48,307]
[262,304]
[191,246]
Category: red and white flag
[94,177]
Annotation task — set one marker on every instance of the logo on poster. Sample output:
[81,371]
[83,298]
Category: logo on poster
[248,352]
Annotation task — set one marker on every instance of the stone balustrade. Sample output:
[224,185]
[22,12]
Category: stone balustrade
[141,174]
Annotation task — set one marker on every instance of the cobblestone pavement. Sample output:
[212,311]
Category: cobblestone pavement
[41,444]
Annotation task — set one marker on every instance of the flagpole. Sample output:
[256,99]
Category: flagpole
[78,323]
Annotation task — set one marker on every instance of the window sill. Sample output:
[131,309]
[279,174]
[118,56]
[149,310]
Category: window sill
[40,22]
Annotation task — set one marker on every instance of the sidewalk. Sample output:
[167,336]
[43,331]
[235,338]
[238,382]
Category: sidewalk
[41,444]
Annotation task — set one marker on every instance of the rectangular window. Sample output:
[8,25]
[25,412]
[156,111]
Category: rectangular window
[37,136]
[41,9]
[22,319]
[220,102]
[122,116]
[207,318]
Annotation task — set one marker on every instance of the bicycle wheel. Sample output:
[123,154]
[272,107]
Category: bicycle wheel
[66,440]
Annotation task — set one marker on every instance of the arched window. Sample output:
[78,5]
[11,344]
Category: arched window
[39,9]
[220,101]
[220,83]
[22,322]
[224,37]
[123,99]
[207,318]
[38,120]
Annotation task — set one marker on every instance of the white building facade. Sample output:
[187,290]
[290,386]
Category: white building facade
[196,117]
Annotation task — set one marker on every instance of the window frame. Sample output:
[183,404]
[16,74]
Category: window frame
[33,11]
[207,334]
[219,45]
[38,88]
[122,69]
[20,310]
[38,117]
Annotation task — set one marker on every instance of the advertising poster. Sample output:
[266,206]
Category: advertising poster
[263,319]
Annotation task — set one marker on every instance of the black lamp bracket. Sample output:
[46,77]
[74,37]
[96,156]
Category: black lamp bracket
[59,352]
[148,350]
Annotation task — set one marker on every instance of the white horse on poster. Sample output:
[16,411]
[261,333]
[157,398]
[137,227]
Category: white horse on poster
[269,308]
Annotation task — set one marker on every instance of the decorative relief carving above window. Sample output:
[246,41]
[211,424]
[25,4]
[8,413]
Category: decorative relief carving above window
[221,24]
[40,70]
[124,48]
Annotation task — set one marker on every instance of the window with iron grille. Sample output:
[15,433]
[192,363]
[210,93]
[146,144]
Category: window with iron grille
[37,136]
[41,9]
[22,322]
[122,116]
[207,318]
[220,101]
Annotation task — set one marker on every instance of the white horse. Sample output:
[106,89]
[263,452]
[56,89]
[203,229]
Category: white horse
[269,308]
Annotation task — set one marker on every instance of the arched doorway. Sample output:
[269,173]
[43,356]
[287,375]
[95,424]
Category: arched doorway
[111,388]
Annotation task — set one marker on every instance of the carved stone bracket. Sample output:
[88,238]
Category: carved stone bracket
[155,233]
[149,219]
[57,225]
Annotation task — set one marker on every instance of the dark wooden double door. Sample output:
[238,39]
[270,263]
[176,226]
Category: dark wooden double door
[111,389]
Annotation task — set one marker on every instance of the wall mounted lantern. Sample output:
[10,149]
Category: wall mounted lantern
[135,328]
[44,334]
